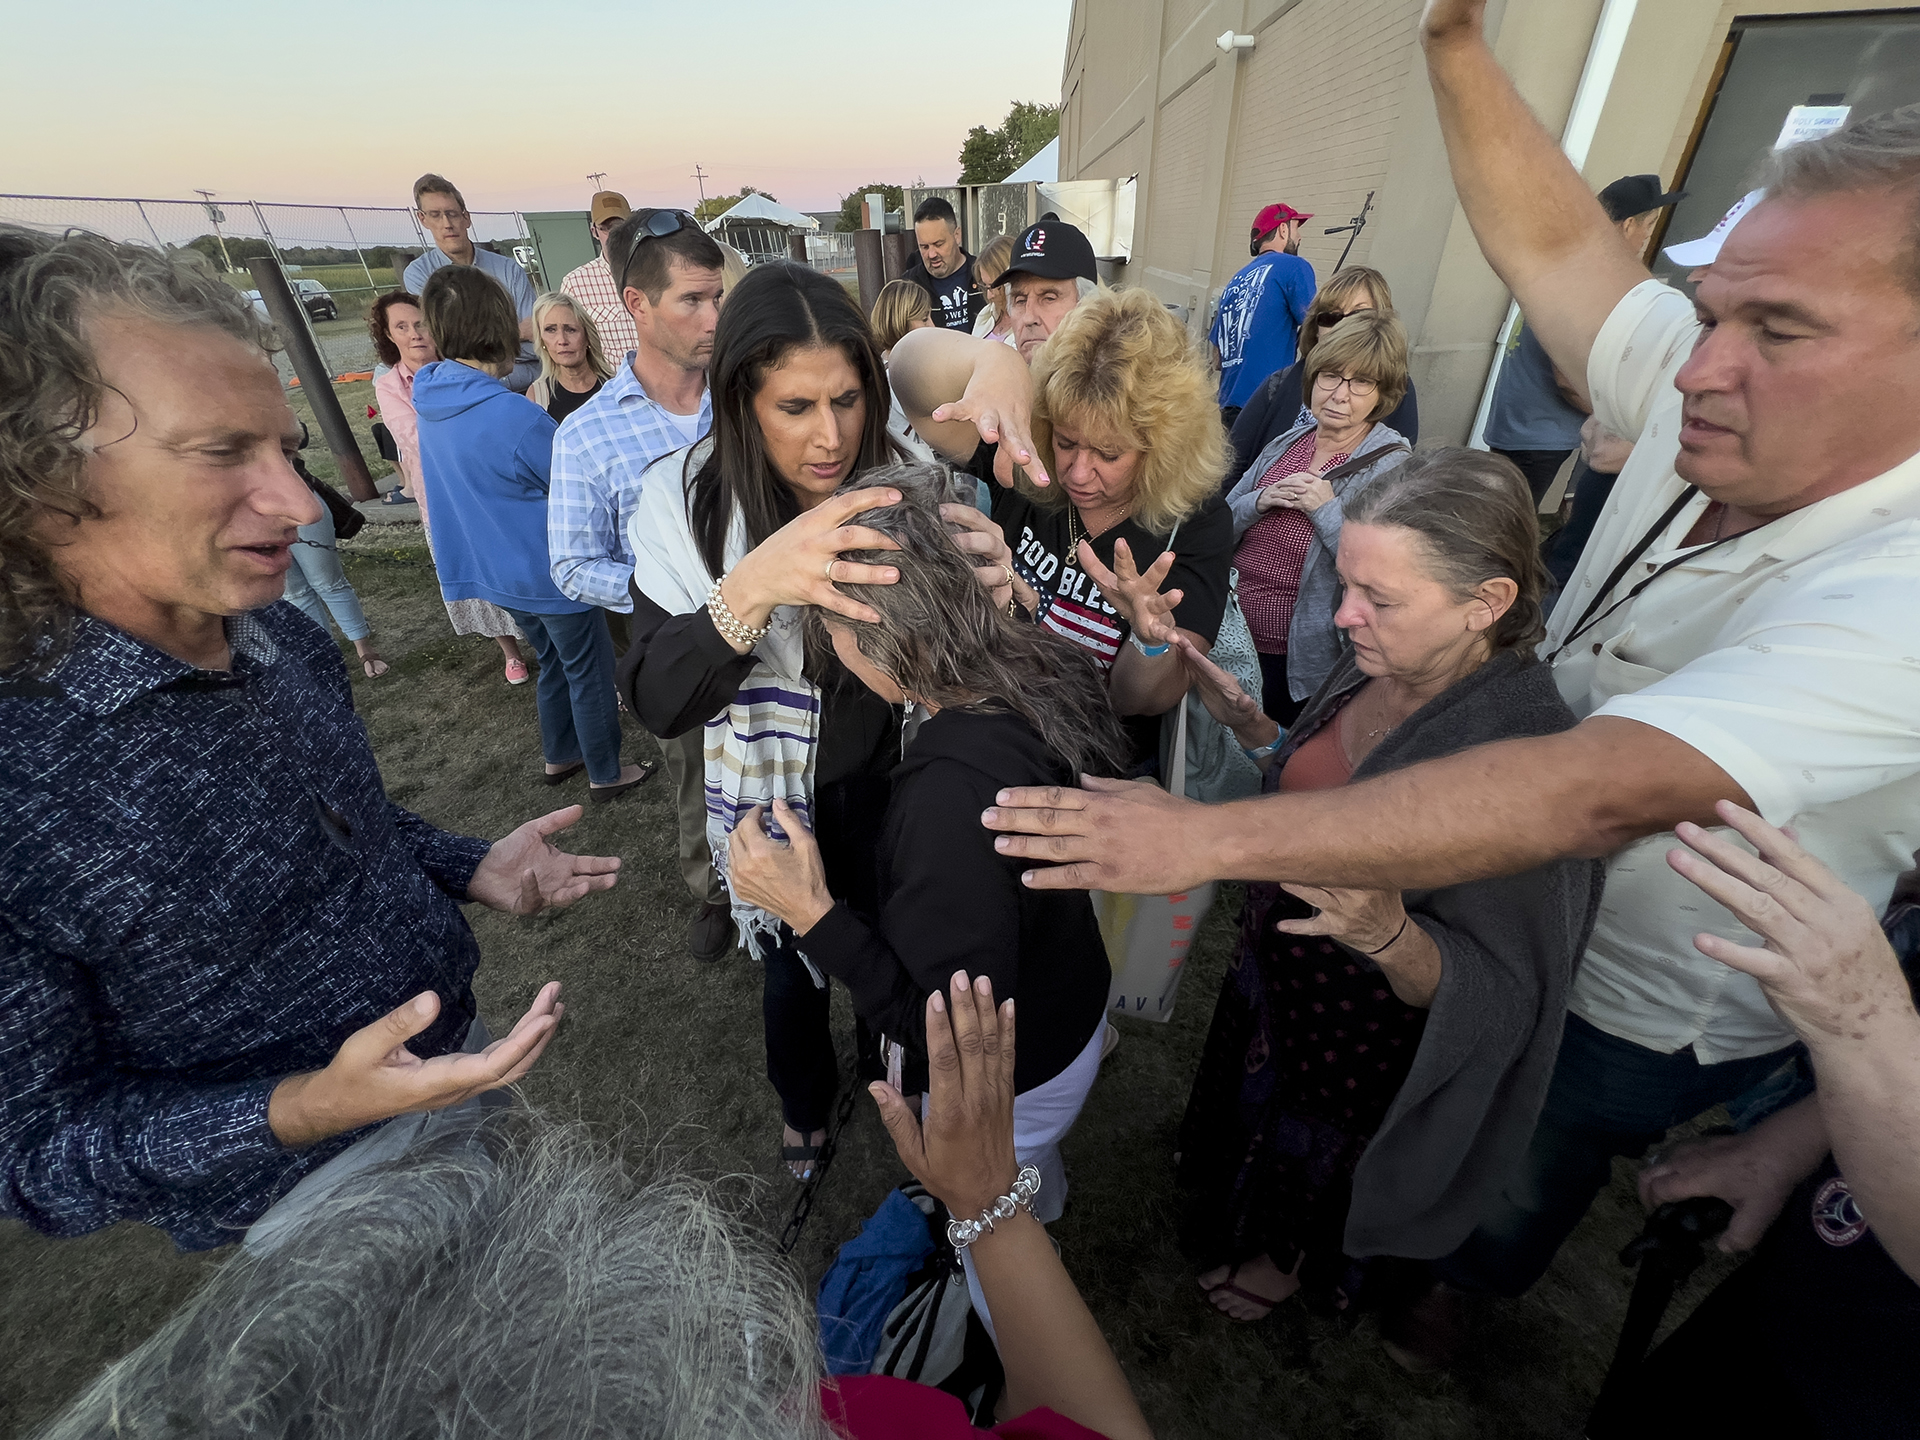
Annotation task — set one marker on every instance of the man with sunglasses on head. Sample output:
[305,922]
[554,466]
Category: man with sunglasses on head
[667,272]
[592,285]
[443,214]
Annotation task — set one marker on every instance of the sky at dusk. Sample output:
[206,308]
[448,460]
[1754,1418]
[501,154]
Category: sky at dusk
[516,103]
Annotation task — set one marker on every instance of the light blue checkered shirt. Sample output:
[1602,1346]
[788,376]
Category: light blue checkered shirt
[599,455]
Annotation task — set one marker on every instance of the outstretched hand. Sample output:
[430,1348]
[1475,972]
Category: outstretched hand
[373,1076]
[1135,593]
[1125,835]
[526,872]
[1226,700]
[964,1153]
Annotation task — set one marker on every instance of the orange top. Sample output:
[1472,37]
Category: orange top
[1320,764]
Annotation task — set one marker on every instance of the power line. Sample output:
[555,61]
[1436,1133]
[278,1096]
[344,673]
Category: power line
[596,177]
[701,176]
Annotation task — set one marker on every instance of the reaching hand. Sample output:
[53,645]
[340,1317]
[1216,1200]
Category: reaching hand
[1827,967]
[964,1154]
[1740,1169]
[1135,594]
[998,403]
[527,873]
[800,562]
[1112,835]
[785,880]
[986,542]
[374,1077]
[1224,698]
[1365,919]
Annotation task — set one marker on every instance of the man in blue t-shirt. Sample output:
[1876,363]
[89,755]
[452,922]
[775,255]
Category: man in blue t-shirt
[1256,326]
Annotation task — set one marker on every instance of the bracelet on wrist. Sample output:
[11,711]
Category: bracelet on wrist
[962,1233]
[732,628]
[1391,943]
[1150,651]
[1262,753]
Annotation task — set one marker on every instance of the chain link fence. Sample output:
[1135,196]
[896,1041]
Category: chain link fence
[339,258]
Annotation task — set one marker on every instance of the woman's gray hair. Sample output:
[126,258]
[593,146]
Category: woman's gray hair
[510,1278]
[1879,152]
[1476,521]
[50,394]
[943,640]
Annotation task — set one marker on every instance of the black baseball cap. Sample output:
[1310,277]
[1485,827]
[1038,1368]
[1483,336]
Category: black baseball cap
[1633,195]
[1053,250]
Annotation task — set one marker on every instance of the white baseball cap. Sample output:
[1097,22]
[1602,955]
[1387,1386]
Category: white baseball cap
[1704,251]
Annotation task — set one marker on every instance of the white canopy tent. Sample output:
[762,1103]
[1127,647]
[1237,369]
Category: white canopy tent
[759,210]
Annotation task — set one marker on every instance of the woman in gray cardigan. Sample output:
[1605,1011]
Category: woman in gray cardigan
[1378,1058]
[1289,504]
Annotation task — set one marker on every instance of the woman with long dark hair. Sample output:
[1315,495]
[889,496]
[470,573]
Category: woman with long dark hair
[733,539]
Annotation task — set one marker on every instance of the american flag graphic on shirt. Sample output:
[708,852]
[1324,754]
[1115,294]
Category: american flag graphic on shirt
[1070,603]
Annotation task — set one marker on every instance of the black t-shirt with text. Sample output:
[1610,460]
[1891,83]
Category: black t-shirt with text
[956,304]
[1071,603]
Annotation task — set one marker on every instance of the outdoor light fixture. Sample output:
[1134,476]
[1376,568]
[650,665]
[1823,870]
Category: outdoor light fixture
[1231,42]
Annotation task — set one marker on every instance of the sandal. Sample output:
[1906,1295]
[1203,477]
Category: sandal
[791,1155]
[1265,1305]
[374,666]
[396,496]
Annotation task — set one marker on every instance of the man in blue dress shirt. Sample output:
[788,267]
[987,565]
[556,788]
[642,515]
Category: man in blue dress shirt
[225,955]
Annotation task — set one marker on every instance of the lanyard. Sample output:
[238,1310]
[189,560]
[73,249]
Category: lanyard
[1588,619]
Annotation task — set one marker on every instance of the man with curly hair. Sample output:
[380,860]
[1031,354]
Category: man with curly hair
[226,959]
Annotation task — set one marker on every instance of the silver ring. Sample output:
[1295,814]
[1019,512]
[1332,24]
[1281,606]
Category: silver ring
[829,572]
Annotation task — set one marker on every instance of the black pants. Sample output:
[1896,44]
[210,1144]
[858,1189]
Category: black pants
[1280,706]
[1539,466]
[800,1061]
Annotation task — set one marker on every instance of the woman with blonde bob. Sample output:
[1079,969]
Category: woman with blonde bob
[900,306]
[1280,402]
[1288,505]
[988,266]
[573,367]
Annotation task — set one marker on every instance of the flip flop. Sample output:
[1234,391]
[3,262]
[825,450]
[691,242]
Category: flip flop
[1266,1305]
[373,674]
[800,1154]
[394,497]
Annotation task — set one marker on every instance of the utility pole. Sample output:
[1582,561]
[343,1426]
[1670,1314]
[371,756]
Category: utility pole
[701,176]
[596,177]
[214,214]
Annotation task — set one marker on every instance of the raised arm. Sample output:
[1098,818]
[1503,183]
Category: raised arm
[1539,226]
[958,391]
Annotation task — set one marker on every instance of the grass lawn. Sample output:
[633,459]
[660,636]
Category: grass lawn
[657,1046]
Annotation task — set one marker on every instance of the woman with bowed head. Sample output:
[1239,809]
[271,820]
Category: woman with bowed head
[1004,703]
[1289,505]
[573,367]
[399,330]
[1118,531]
[488,455]
[1276,406]
[734,537]
[1377,1059]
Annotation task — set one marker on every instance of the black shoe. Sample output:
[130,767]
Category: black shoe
[711,935]
[601,794]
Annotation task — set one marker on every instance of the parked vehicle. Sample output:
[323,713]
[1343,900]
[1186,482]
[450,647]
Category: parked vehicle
[311,293]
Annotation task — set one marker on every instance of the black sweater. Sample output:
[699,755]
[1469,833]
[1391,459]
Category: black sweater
[949,901]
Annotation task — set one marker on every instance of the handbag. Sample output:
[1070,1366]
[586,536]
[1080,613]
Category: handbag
[1148,936]
[347,521]
[1218,769]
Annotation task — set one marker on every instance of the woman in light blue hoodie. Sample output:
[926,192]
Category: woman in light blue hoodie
[488,451]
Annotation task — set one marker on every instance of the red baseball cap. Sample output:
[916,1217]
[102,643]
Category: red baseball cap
[1273,217]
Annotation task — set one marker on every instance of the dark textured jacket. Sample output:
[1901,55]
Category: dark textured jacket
[1508,948]
[949,901]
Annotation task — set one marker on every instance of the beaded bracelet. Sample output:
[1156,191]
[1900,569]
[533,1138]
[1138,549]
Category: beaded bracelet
[732,629]
[962,1233]
[1150,651]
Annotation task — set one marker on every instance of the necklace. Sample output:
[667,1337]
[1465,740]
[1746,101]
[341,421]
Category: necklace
[1075,534]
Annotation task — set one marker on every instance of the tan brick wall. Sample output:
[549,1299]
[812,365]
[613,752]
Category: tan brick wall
[1319,106]
[1179,161]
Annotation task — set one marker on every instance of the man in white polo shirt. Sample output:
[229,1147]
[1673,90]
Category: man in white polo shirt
[1742,626]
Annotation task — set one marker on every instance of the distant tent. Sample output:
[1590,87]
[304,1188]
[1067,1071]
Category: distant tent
[1043,168]
[759,227]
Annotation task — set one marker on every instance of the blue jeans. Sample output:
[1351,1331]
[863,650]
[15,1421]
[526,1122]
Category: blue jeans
[316,576]
[1608,1097]
[579,717]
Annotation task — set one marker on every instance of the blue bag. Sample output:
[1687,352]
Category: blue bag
[867,1280]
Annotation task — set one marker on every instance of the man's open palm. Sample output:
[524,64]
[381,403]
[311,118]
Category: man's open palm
[526,872]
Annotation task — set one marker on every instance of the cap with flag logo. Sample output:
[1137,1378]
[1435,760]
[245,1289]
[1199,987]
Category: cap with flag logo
[1053,250]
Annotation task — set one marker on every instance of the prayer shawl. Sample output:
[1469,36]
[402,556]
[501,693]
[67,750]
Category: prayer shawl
[1508,947]
[762,746]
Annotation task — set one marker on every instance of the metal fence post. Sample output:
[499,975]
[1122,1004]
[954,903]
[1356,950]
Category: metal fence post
[147,220]
[868,264]
[372,289]
[314,379]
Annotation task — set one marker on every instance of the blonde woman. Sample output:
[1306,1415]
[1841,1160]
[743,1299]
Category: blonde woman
[900,307]
[572,365]
[988,266]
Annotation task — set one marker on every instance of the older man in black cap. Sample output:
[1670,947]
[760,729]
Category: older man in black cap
[1052,271]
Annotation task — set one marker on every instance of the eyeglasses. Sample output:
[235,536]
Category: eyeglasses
[439,217]
[1359,387]
[656,225]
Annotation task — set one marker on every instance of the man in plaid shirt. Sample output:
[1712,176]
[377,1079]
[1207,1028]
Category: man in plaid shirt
[592,283]
[669,285]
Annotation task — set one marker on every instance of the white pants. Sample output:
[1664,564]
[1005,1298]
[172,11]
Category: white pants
[1041,1119]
